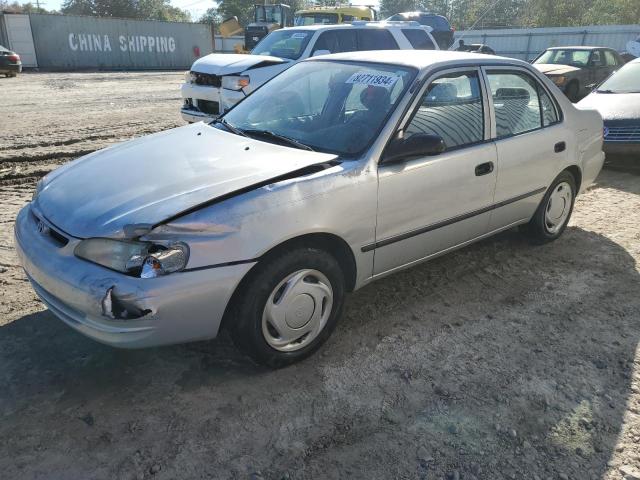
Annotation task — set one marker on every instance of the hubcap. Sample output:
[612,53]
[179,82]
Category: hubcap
[558,207]
[297,310]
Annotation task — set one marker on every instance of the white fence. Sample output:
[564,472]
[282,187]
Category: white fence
[527,43]
[225,45]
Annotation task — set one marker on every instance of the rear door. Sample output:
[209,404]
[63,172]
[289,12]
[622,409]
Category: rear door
[375,39]
[531,142]
[429,204]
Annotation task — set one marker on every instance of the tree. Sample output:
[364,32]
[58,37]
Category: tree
[139,9]
[16,7]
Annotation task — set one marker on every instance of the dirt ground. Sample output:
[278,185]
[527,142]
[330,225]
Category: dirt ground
[499,361]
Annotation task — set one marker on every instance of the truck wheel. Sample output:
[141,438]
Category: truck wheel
[288,307]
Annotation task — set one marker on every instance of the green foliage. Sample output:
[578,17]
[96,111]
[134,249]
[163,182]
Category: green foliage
[16,7]
[138,9]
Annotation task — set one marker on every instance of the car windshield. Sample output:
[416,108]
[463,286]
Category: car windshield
[315,18]
[284,44]
[575,58]
[333,107]
[625,80]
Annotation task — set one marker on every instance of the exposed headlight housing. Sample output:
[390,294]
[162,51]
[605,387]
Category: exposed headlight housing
[235,82]
[559,79]
[138,259]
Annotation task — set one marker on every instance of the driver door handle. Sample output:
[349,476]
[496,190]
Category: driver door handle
[484,169]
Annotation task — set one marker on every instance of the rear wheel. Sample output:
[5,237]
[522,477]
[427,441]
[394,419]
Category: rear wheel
[287,307]
[554,212]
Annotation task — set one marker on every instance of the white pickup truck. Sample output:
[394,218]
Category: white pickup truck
[218,81]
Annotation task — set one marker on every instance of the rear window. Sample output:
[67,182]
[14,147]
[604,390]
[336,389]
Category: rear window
[419,39]
[373,39]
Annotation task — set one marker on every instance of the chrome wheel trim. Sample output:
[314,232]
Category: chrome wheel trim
[558,207]
[297,310]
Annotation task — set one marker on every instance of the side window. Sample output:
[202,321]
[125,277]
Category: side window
[375,39]
[336,41]
[452,109]
[597,59]
[549,113]
[516,103]
[348,18]
[419,39]
[610,58]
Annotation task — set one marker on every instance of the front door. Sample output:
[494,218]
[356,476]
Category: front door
[427,205]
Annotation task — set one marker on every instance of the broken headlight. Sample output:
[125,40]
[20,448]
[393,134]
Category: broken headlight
[140,259]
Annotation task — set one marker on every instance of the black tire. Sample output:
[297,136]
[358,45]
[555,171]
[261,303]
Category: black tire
[244,319]
[537,229]
[573,91]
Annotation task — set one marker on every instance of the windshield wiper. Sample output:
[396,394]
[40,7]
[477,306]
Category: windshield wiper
[277,136]
[230,127]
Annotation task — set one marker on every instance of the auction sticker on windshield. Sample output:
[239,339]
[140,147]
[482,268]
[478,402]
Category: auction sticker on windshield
[373,79]
[299,35]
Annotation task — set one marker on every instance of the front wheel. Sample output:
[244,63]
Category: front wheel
[288,306]
[554,212]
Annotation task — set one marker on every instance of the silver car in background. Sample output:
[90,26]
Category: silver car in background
[339,171]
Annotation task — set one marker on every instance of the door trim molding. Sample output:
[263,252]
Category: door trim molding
[444,223]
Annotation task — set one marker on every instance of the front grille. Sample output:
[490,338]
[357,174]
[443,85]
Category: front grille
[207,79]
[209,107]
[623,133]
[46,230]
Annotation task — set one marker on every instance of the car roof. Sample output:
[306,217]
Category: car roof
[359,24]
[421,59]
[585,47]
[418,14]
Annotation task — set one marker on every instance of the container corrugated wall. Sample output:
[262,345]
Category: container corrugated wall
[527,43]
[67,42]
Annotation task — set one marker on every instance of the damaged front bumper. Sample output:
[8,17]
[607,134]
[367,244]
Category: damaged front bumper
[117,309]
[206,102]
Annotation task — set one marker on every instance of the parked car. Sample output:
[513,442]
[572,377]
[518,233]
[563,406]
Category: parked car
[339,171]
[442,29]
[10,64]
[618,101]
[576,70]
[218,81]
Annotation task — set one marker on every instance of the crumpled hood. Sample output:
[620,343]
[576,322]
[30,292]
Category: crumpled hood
[613,106]
[554,69]
[227,64]
[148,180]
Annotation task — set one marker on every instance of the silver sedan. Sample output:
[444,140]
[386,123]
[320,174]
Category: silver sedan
[341,170]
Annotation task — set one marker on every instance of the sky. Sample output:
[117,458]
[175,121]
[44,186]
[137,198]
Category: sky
[195,7]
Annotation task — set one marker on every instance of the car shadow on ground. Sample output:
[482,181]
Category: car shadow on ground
[497,360]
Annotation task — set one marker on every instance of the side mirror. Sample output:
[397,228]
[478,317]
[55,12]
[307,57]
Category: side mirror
[417,145]
[317,53]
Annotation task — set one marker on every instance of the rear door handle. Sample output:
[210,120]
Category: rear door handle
[484,169]
[559,147]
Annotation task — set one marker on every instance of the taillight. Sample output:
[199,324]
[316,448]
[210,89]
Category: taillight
[14,58]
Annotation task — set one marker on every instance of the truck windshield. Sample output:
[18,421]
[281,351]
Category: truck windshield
[284,44]
[268,13]
[333,107]
[316,18]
